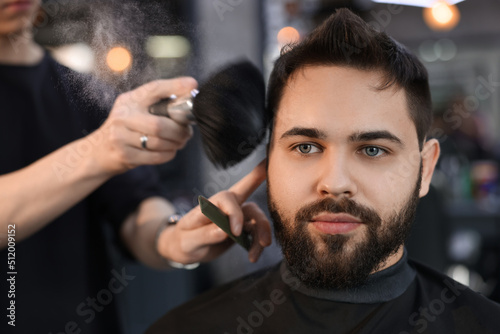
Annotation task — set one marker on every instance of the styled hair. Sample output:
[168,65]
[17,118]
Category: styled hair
[344,39]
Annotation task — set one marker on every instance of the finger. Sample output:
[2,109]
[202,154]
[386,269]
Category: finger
[139,157]
[230,201]
[255,249]
[194,241]
[126,145]
[152,92]
[122,136]
[260,229]
[226,201]
[249,183]
[255,253]
[162,127]
[194,219]
[259,224]
[153,144]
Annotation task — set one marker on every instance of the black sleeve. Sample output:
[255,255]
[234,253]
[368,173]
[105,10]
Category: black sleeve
[121,195]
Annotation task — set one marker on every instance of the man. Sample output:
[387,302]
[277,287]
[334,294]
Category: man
[348,160]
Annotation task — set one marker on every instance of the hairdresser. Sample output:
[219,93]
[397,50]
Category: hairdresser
[57,186]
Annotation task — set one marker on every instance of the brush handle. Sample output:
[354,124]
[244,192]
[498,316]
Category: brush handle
[177,109]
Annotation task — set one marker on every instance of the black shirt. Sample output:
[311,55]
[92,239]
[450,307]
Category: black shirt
[64,281]
[405,298]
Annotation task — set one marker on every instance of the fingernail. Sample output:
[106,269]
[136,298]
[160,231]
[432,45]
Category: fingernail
[236,228]
[254,257]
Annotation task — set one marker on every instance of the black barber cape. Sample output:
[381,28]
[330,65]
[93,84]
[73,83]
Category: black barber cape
[405,298]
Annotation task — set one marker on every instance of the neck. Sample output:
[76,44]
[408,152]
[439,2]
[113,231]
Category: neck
[382,286]
[20,49]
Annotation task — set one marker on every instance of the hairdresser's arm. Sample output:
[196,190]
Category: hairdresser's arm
[35,195]
[195,238]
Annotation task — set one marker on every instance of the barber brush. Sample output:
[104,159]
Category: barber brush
[229,110]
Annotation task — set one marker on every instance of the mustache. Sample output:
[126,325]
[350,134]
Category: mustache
[344,205]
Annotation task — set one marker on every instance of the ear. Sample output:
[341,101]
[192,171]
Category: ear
[430,156]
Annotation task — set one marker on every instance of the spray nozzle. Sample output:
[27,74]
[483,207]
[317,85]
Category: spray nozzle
[179,109]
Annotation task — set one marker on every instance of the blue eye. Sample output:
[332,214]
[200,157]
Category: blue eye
[373,151]
[307,148]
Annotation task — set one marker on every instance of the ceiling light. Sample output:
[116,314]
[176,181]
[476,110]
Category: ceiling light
[441,16]
[168,46]
[416,3]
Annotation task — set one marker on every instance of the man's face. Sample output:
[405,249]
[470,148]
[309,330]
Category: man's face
[344,175]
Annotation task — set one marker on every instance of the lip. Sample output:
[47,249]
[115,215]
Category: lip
[335,223]
[18,5]
[335,218]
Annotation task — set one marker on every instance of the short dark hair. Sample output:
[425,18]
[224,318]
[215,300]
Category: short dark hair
[344,39]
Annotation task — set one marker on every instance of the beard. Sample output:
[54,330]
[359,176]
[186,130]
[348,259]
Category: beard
[341,264]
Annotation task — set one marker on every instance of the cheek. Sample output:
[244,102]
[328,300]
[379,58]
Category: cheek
[287,185]
[391,196]
[383,189]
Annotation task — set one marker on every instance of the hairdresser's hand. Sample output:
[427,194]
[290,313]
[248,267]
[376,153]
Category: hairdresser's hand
[195,238]
[118,141]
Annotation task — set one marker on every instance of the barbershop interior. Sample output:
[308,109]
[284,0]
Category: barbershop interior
[125,44]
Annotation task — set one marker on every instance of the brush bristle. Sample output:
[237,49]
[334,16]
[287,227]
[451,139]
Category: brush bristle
[229,111]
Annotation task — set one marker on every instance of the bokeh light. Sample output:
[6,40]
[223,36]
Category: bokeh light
[288,35]
[119,59]
[168,46]
[441,16]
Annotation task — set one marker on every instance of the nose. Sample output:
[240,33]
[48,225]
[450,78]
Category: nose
[336,177]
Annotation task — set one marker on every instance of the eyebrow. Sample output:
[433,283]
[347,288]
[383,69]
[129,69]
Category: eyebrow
[355,137]
[305,132]
[374,135]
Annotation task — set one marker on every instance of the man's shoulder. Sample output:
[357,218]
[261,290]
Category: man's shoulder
[438,295]
[220,304]
[434,280]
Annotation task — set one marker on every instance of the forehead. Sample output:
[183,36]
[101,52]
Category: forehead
[342,100]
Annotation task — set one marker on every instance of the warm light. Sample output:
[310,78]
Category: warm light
[442,13]
[417,3]
[119,59]
[78,57]
[168,46]
[288,35]
[441,16]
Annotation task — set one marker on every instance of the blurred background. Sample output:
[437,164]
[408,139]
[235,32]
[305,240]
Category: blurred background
[127,43]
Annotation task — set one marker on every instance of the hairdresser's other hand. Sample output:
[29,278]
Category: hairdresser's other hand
[117,143]
[195,238]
